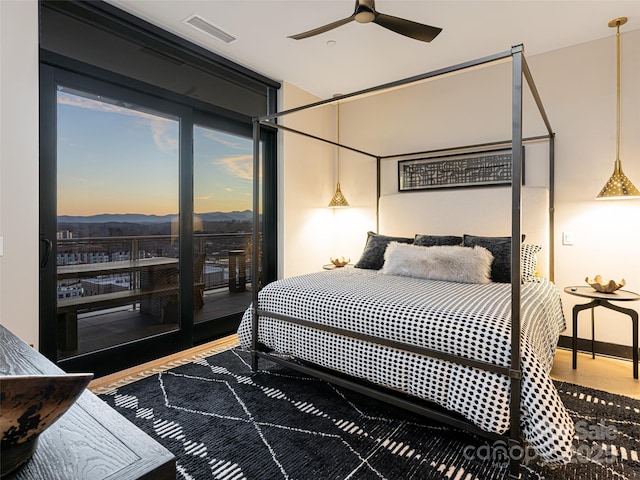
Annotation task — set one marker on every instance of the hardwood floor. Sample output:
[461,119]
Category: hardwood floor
[602,373]
[109,382]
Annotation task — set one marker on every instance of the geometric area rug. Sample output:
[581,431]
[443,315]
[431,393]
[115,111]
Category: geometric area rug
[222,421]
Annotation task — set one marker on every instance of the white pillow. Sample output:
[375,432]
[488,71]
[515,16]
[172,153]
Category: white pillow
[449,263]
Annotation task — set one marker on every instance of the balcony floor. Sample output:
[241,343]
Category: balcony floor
[99,330]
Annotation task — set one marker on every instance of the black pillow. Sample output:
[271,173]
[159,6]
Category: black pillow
[436,240]
[373,255]
[500,247]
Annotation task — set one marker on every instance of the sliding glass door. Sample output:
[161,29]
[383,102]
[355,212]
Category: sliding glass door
[222,223]
[117,233]
[146,224]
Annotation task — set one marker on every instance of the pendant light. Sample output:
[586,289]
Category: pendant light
[338,200]
[618,186]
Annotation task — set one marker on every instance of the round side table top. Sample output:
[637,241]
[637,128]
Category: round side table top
[589,292]
[331,266]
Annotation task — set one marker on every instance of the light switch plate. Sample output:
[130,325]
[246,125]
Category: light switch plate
[1,246]
[567,238]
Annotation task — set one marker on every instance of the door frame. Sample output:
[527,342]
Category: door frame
[145,349]
[55,68]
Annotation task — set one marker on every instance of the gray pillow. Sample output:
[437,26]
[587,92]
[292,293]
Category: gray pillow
[500,248]
[373,255]
[436,240]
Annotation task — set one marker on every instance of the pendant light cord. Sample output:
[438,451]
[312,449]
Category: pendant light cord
[618,91]
[338,142]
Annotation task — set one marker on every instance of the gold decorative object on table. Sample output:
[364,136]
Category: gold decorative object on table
[604,286]
[340,262]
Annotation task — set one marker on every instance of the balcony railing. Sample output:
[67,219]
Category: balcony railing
[219,251]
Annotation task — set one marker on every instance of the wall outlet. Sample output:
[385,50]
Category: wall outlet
[567,238]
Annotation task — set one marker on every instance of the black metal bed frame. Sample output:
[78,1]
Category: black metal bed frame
[520,71]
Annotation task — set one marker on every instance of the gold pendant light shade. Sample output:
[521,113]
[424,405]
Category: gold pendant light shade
[618,186]
[338,200]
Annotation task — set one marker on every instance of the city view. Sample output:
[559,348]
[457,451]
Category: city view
[118,237]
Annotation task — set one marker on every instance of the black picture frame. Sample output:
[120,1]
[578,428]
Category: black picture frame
[462,170]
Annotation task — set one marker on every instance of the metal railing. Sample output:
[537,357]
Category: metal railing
[217,248]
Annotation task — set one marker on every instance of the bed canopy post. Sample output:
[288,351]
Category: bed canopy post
[516,227]
[378,192]
[552,208]
[543,114]
[255,250]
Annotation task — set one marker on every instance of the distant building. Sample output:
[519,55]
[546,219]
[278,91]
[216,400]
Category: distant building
[99,286]
[66,292]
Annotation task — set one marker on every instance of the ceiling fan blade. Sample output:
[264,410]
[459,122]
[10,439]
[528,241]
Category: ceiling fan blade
[323,29]
[415,30]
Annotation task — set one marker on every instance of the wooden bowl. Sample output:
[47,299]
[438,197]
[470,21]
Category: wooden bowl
[603,286]
[31,404]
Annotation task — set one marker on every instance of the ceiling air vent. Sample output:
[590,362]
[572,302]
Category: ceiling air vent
[196,21]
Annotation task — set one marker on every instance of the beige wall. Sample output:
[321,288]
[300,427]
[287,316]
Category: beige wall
[19,167]
[577,85]
[311,232]
[305,184]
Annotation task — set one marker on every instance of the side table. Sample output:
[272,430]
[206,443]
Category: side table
[603,300]
[91,441]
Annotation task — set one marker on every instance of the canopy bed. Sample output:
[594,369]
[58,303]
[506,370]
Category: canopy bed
[481,350]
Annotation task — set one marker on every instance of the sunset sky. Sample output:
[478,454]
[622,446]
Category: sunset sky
[113,159]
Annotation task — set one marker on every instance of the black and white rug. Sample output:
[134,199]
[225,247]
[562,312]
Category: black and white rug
[223,422]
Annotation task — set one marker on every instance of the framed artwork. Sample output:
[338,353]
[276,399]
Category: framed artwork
[477,169]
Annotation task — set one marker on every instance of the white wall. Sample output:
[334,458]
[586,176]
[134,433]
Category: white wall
[306,185]
[577,86]
[19,167]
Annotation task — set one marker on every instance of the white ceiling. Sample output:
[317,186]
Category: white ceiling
[366,55]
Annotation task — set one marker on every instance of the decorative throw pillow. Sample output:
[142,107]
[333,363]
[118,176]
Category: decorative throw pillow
[500,248]
[434,240]
[529,261]
[448,263]
[373,255]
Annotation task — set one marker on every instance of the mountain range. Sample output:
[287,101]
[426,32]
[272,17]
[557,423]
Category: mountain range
[139,218]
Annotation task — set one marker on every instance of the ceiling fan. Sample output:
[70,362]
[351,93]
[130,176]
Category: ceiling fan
[365,12]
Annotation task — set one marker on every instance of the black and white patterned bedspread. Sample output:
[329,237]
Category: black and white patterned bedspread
[469,320]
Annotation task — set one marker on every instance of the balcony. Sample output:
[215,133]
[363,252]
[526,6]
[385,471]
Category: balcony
[114,290]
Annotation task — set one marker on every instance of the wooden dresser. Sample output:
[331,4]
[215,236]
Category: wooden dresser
[91,441]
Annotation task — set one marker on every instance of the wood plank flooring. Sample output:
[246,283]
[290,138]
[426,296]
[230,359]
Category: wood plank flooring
[602,373]
[108,382]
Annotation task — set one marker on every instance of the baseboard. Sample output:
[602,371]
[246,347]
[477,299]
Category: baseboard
[601,348]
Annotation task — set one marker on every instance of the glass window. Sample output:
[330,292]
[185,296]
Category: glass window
[117,222]
[223,219]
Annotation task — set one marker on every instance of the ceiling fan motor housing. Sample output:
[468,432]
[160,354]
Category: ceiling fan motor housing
[364,15]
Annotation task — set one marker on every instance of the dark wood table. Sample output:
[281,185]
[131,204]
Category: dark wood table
[599,299]
[112,268]
[91,441]
[151,282]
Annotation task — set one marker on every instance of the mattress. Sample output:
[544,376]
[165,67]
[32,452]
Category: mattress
[468,320]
